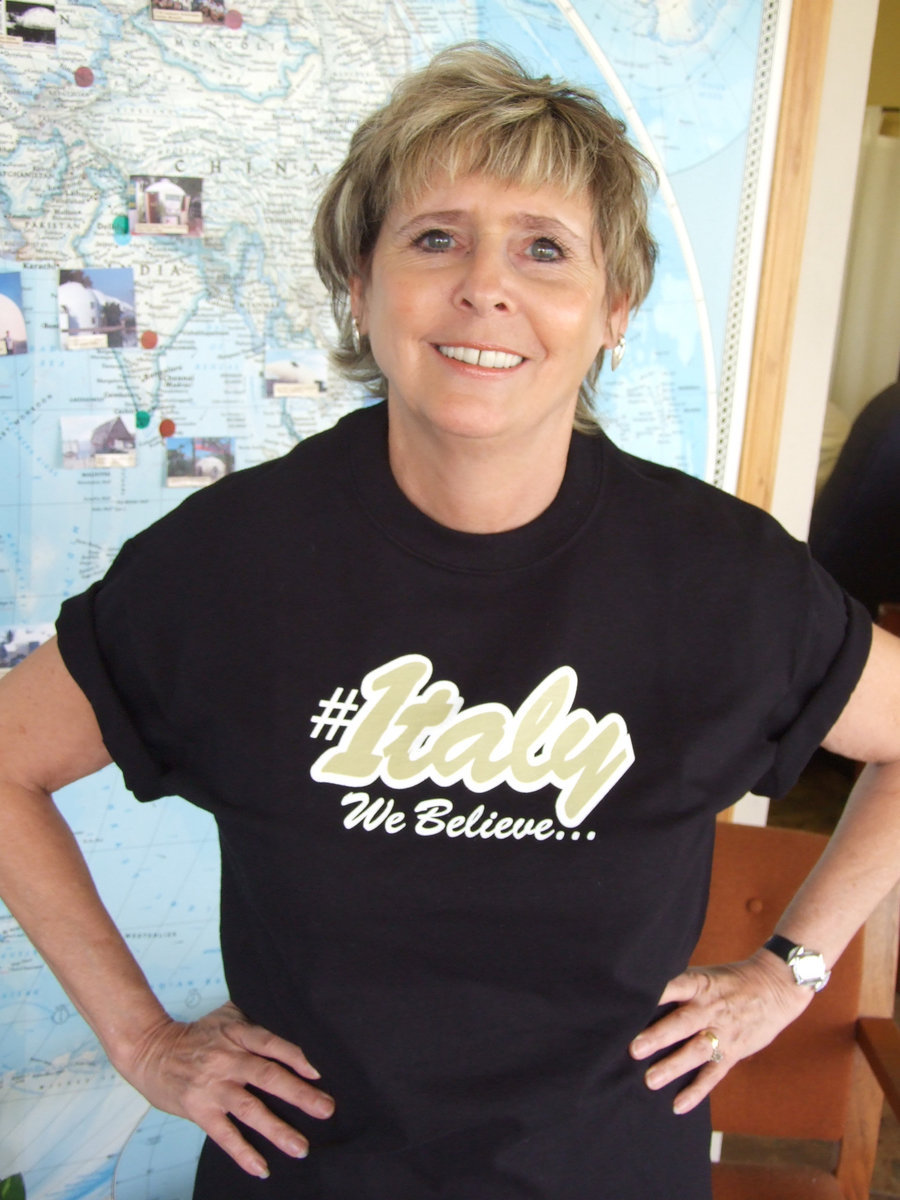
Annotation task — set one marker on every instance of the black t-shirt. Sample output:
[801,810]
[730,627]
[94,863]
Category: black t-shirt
[465,788]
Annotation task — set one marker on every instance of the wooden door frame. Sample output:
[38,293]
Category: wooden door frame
[795,148]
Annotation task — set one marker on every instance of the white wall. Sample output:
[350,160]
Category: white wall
[868,347]
[824,253]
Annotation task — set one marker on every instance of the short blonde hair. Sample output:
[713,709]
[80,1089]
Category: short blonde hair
[475,110]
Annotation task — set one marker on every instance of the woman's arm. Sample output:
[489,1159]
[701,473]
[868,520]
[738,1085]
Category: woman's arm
[48,738]
[747,1004]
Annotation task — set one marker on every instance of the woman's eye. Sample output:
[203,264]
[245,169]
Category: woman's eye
[545,250]
[434,240]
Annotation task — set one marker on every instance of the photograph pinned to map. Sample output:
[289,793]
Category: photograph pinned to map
[166,205]
[93,441]
[96,308]
[299,372]
[20,641]
[197,461]
[28,22]
[192,12]
[13,335]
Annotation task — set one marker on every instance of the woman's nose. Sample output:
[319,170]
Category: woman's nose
[486,284]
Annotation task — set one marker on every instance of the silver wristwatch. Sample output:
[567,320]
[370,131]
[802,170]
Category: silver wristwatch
[808,966]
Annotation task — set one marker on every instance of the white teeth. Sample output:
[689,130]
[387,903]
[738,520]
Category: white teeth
[498,359]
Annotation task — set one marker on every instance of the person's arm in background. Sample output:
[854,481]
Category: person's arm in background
[747,1004]
[49,737]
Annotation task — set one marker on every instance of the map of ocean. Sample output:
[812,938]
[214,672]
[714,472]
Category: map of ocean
[217,331]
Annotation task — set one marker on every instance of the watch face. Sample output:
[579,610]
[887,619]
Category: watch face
[809,968]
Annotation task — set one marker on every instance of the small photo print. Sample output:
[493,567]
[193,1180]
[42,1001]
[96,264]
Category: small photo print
[300,372]
[195,462]
[20,641]
[190,12]
[13,336]
[96,309]
[92,442]
[166,205]
[28,22]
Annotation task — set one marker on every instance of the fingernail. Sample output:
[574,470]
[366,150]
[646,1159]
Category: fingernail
[651,1078]
[298,1149]
[261,1171]
[325,1106]
[680,1106]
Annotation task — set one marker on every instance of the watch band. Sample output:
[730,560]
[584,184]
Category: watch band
[781,946]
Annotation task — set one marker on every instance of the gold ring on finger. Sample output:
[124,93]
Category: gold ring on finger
[715,1054]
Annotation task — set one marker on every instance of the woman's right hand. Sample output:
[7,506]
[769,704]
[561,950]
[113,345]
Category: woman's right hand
[202,1070]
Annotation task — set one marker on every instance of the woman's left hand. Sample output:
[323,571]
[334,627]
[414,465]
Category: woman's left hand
[729,1011]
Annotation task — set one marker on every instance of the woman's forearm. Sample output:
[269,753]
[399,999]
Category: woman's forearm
[861,862]
[860,865]
[46,884]
[49,737]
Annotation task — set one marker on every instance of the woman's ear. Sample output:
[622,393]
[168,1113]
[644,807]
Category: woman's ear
[358,308]
[616,322]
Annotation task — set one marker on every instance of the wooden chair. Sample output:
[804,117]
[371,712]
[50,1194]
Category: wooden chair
[813,1082]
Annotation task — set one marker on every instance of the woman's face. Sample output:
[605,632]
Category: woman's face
[485,304]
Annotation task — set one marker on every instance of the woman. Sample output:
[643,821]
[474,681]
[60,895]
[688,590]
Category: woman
[466,787]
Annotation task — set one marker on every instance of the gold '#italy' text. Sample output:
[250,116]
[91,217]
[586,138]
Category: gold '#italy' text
[408,730]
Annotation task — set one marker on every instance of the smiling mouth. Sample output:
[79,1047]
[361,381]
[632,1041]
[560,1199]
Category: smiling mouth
[496,359]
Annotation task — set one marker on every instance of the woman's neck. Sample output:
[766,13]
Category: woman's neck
[479,485]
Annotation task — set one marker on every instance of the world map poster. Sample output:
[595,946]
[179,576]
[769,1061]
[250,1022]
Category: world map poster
[161,324]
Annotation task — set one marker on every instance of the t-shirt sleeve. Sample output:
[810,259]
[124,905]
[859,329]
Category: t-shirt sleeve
[123,641]
[158,646]
[84,652]
[831,645]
